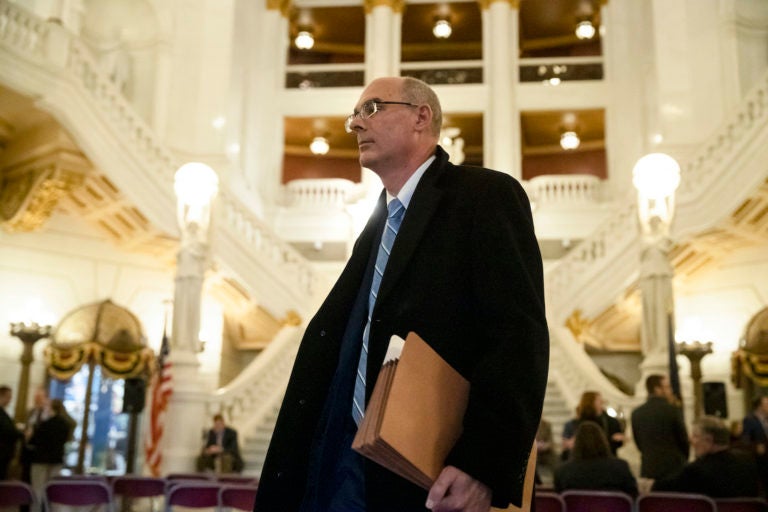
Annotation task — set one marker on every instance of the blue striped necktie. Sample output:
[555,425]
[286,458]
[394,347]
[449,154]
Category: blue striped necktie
[394,218]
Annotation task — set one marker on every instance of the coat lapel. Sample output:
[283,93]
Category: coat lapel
[421,209]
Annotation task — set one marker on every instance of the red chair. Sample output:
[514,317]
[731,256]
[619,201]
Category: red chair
[192,495]
[190,476]
[241,497]
[77,493]
[597,501]
[741,505]
[675,502]
[237,479]
[130,488]
[15,494]
[549,502]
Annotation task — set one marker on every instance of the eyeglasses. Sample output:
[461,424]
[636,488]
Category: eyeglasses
[368,109]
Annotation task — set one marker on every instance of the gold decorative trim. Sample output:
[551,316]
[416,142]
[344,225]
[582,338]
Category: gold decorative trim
[284,6]
[397,6]
[485,4]
[29,195]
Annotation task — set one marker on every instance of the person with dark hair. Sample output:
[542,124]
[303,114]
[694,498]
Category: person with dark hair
[47,444]
[592,466]
[591,408]
[221,452]
[718,471]
[754,435]
[659,431]
[9,434]
[449,253]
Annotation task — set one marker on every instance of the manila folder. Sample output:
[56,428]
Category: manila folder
[414,416]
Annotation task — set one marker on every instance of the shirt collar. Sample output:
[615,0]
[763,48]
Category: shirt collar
[406,193]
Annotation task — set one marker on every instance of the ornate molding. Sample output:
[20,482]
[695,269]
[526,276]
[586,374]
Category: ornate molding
[397,6]
[485,4]
[29,194]
[284,6]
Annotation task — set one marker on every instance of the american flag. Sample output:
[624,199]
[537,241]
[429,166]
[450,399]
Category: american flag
[161,388]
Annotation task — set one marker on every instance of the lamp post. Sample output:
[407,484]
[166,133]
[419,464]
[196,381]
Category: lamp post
[695,352]
[29,334]
[195,186]
[656,176]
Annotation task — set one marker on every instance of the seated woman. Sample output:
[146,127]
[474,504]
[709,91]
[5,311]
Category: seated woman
[592,466]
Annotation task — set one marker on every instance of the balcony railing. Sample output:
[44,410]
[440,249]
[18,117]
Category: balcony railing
[554,70]
[563,190]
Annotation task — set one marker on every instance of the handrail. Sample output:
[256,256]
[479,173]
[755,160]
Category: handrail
[556,190]
[260,386]
[572,275]
[68,61]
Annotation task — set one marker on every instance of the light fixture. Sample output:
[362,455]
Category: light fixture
[656,175]
[304,40]
[569,140]
[319,146]
[585,29]
[442,28]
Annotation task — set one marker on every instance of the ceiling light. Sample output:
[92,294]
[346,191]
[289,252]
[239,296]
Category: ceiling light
[319,146]
[304,40]
[585,30]
[569,140]
[442,29]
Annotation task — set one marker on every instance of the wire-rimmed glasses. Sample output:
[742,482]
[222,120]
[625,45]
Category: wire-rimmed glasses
[368,109]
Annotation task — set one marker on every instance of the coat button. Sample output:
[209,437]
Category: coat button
[279,474]
[322,333]
[302,402]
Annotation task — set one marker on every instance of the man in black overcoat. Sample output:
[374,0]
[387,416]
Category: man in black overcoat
[659,431]
[465,273]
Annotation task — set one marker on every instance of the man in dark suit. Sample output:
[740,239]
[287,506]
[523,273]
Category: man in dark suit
[465,273]
[718,471]
[9,434]
[659,431]
[221,452]
[754,434]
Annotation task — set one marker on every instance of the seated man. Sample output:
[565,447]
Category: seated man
[221,452]
[718,471]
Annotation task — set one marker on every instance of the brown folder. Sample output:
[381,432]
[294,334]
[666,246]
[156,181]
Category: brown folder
[414,416]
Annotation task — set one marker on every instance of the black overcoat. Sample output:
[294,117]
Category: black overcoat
[465,273]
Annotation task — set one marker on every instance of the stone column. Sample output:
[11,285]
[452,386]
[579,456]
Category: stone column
[195,185]
[382,38]
[501,51]
[260,56]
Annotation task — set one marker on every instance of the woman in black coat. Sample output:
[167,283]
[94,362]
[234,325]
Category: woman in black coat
[592,466]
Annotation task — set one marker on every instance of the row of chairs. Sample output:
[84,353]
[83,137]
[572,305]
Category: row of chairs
[611,501]
[189,491]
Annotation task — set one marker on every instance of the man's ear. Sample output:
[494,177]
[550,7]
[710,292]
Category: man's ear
[424,120]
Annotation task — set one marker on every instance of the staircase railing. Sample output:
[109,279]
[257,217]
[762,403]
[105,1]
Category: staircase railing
[259,388]
[43,60]
[721,175]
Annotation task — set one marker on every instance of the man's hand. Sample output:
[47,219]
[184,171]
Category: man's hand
[456,491]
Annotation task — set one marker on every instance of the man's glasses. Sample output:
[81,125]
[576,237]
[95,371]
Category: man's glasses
[368,109]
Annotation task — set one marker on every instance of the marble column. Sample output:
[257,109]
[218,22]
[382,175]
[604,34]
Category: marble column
[501,50]
[382,38]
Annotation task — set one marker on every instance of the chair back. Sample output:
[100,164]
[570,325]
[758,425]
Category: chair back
[741,505]
[190,476]
[15,494]
[237,479]
[89,478]
[597,501]
[138,486]
[77,493]
[549,502]
[192,495]
[241,497]
[675,502]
